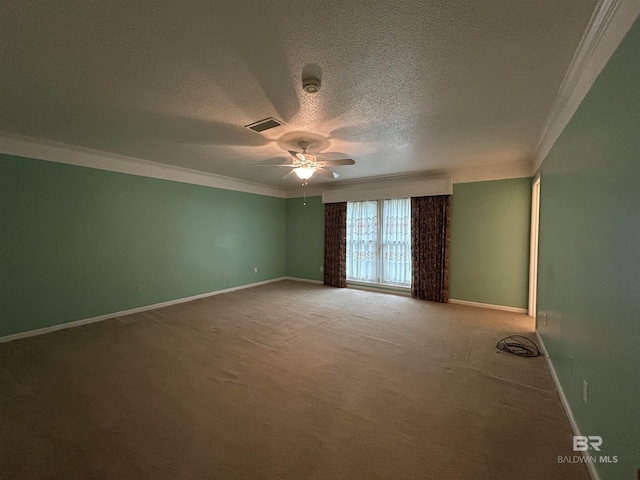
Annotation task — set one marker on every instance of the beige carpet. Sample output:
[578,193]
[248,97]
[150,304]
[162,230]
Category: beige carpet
[283,381]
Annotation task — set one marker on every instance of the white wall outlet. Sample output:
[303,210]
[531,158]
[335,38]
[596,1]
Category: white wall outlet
[255,269]
[541,319]
[585,391]
[138,288]
[321,269]
[545,317]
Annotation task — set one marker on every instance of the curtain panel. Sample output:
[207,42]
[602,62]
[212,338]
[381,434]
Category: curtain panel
[335,244]
[430,232]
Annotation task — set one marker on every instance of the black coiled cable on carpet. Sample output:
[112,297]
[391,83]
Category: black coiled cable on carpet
[519,345]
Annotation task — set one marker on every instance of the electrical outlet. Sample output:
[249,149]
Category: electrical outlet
[546,319]
[585,391]
[255,269]
[541,319]
[321,269]
[138,288]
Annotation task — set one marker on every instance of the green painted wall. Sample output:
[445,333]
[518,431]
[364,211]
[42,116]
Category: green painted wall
[589,259]
[76,241]
[489,257]
[305,238]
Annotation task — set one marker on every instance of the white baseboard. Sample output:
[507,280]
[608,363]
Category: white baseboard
[99,318]
[488,305]
[565,404]
[307,280]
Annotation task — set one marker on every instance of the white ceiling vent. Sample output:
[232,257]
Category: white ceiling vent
[265,124]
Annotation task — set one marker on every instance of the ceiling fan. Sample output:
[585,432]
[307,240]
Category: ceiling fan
[305,164]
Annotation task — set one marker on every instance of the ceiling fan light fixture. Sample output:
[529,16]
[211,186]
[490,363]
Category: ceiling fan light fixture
[306,157]
[304,173]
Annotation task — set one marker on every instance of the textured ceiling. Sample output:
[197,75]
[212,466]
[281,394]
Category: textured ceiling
[407,86]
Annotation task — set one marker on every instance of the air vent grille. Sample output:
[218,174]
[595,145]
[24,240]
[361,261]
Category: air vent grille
[265,124]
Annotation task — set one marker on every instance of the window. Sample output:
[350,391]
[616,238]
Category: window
[379,241]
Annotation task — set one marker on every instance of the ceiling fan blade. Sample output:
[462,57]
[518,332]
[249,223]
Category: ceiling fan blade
[335,163]
[293,154]
[276,165]
[327,173]
[289,174]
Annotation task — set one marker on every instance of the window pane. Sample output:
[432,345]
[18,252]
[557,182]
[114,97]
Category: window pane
[362,241]
[396,241]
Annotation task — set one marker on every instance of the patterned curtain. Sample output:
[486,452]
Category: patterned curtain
[430,223]
[335,244]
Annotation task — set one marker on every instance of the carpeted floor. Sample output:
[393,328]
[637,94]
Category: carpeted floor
[284,381]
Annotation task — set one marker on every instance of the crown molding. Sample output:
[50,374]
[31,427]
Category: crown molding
[609,23]
[30,147]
